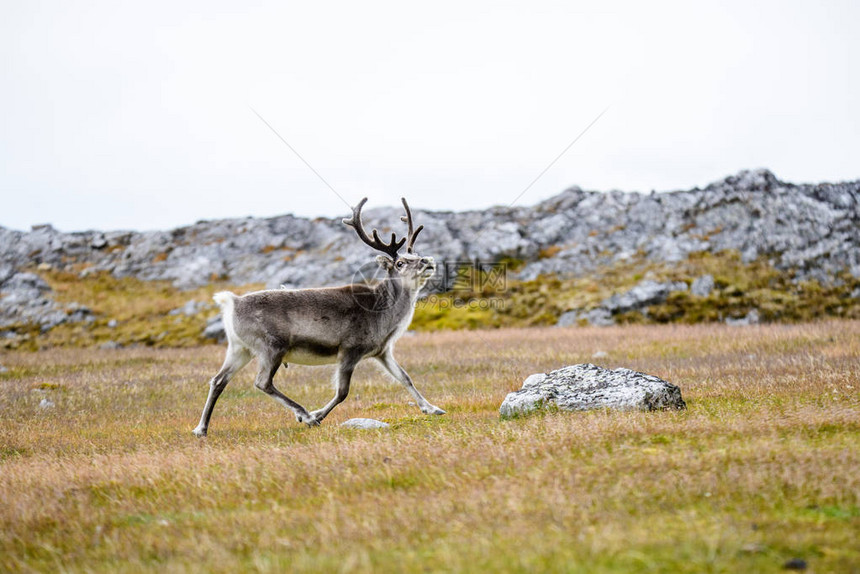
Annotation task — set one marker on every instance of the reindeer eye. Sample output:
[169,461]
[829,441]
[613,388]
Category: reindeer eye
[400,264]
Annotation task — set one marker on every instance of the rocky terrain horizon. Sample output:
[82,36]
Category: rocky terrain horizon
[807,230]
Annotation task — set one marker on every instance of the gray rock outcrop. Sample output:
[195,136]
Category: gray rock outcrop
[702,286]
[812,229]
[586,387]
[215,329]
[751,318]
[645,293]
[25,299]
[599,317]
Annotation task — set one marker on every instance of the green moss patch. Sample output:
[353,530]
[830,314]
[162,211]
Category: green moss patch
[739,288]
[131,312]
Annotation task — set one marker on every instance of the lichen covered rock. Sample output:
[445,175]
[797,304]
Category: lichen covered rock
[586,387]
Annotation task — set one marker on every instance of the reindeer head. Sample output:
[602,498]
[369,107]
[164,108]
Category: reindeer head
[410,267]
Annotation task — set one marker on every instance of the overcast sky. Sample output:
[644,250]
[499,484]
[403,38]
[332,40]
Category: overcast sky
[140,115]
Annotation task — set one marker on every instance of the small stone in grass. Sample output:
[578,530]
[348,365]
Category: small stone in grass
[364,424]
[795,564]
[46,404]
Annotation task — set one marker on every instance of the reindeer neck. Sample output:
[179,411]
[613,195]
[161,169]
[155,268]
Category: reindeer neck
[394,293]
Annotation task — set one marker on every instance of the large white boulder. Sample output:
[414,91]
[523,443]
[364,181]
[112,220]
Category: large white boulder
[586,386]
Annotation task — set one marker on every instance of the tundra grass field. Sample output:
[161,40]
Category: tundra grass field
[763,467]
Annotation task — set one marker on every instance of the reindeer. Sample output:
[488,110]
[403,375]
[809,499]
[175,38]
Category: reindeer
[319,326]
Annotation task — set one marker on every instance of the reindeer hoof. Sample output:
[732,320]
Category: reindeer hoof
[308,419]
[318,416]
[433,411]
[199,432]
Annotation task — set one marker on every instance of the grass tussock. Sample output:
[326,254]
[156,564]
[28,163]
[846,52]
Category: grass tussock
[764,465]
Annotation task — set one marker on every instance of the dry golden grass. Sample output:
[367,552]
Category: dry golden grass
[764,465]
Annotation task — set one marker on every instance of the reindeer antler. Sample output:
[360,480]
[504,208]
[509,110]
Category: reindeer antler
[390,249]
[408,219]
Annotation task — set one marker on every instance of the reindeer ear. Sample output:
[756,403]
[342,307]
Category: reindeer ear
[385,262]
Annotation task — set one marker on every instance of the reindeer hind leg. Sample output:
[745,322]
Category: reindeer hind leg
[237,357]
[269,365]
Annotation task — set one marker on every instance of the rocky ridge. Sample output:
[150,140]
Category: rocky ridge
[811,229]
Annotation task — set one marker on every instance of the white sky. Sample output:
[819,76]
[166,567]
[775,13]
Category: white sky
[138,115]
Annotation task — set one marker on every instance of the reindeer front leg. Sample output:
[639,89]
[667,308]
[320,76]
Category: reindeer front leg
[387,360]
[346,365]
